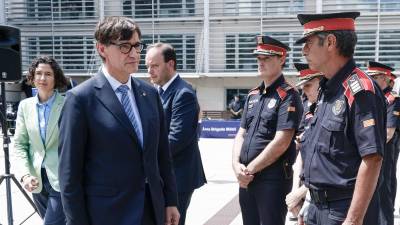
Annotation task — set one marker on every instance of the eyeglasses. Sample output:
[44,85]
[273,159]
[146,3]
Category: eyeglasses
[127,47]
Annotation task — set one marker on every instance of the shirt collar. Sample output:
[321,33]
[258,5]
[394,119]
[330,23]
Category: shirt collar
[332,85]
[166,85]
[273,86]
[114,82]
[49,101]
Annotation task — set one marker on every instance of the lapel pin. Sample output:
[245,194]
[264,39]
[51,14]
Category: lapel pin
[144,94]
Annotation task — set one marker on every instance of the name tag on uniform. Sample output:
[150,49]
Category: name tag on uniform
[251,103]
[291,109]
[368,123]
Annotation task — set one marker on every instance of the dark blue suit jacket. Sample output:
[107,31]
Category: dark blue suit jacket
[102,167]
[181,114]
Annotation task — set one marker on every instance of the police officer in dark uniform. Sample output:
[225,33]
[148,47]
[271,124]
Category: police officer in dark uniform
[387,193]
[347,133]
[235,107]
[264,148]
[309,82]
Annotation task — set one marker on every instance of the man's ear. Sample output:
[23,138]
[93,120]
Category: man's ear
[100,49]
[331,41]
[171,64]
[282,60]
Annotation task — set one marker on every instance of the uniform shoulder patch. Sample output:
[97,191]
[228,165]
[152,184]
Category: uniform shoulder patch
[254,91]
[390,97]
[356,82]
[283,90]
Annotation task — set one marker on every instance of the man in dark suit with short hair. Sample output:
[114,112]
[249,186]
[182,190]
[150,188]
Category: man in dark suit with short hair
[115,164]
[181,113]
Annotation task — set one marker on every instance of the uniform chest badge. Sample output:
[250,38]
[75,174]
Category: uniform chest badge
[251,103]
[338,107]
[271,103]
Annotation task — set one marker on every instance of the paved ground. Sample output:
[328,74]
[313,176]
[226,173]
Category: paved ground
[216,203]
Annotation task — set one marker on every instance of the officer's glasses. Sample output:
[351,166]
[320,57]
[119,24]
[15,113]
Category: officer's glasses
[127,47]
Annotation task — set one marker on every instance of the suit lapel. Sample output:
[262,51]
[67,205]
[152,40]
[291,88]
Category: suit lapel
[171,89]
[109,99]
[54,115]
[142,103]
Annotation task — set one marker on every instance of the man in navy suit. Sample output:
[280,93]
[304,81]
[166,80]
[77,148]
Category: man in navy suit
[115,164]
[181,114]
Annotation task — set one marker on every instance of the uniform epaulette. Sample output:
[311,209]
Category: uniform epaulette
[355,83]
[283,89]
[254,91]
[390,97]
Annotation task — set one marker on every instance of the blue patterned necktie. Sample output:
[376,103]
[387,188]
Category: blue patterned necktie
[160,91]
[123,89]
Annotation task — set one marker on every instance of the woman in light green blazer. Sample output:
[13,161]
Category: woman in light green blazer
[36,138]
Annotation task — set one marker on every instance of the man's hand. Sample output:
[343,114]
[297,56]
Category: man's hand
[172,215]
[347,222]
[30,183]
[296,209]
[242,175]
[294,198]
[300,220]
[303,213]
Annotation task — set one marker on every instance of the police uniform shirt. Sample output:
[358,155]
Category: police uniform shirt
[393,108]
[308,109]
[235,106]
[305,126]
[267,110]
[344,129]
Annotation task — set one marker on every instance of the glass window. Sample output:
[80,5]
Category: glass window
[283,7]
[185,49]
[73,53]
[161,8]
[365,48]
[239,51]
[247,61]
[362,5]
[230,52]
[40,9]
[241,7]
[60,9]
[390,5]
[389,48]
[139,8]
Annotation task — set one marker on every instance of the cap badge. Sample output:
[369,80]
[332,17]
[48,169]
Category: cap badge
[312,30]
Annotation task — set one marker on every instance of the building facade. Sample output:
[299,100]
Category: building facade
[214,39]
